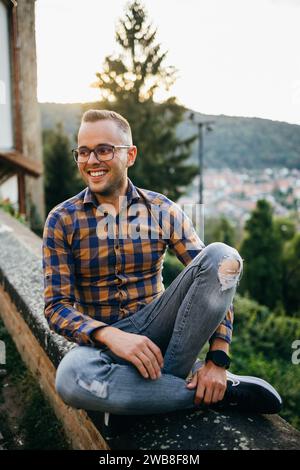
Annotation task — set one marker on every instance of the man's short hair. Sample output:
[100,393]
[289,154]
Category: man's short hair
[94,115]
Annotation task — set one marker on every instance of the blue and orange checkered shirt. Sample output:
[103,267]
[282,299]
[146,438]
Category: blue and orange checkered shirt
[93,278]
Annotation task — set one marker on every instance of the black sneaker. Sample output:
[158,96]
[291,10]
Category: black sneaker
[250,394]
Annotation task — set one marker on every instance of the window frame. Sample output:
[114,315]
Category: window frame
[11,6]
[7,12]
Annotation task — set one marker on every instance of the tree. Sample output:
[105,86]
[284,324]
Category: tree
[262,253]
[262,346]
[219,230]
[61,175]
[291,278]
[128,84]
[286,227]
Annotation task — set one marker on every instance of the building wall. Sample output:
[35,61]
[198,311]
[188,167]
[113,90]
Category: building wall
[30,115]
[6,128]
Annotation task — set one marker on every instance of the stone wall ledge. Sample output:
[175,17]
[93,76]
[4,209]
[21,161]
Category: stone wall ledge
[21,308]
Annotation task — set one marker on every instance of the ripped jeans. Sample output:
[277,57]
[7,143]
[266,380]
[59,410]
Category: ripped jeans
[179,322]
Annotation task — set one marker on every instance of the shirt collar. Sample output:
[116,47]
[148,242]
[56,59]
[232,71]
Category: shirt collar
[131,194]
[89,197]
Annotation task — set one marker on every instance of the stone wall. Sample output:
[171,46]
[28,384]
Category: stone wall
[21,308]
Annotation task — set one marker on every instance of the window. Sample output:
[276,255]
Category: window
[6,118]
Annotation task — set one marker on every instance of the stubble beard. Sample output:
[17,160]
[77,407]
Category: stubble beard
[111,188]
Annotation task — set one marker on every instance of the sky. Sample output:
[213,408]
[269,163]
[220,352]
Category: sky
[233,57]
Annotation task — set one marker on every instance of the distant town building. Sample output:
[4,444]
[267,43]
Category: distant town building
[234,194]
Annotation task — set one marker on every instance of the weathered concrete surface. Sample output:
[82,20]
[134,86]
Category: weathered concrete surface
[198,430]
[21,277]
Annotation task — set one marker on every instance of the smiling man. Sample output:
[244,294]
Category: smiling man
[137,343]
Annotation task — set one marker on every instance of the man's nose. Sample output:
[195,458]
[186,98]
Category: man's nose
[92,158]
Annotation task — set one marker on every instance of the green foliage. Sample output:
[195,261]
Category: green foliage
[291,275]
[264,330]
[37,423]
[61,174]
[8,207]
[219,230]
[35,221]
[285,226]
[171,268]
[252,143]
[128,84]
[262,346]
[262,251]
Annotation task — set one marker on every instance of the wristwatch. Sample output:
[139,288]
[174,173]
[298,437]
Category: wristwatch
[218,357]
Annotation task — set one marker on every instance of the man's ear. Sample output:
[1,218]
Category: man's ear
[131,156]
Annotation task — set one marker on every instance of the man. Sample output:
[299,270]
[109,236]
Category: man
[138,344]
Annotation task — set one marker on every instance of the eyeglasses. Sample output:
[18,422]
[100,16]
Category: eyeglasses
[103,152]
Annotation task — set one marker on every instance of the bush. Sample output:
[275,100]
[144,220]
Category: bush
[261,347]
[171,268]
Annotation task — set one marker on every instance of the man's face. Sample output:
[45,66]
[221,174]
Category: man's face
[92,134]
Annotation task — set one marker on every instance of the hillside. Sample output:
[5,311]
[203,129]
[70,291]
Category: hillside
[236,142]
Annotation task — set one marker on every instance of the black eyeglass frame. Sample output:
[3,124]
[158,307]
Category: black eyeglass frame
[113,148]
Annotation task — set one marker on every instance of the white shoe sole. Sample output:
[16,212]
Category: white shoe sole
[253,380]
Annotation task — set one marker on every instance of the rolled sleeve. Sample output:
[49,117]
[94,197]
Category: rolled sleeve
[224,330]
[184,241]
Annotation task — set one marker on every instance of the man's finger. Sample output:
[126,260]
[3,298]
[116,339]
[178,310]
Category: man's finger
[147,364]
[147,351]
[221,394]
[208,395]
[193,382]
[199,394]
[140,366]
[216,395]
[155,349]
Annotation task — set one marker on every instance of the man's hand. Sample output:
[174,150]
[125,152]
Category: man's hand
[211,383]
[137,349]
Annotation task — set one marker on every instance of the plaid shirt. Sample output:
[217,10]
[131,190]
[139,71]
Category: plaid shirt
[93,278]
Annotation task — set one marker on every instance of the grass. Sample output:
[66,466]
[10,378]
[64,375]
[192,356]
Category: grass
[26,417]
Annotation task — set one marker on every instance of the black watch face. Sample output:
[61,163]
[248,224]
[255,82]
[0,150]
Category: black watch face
[220,358]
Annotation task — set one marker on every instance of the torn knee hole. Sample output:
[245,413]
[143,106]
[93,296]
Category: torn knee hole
[229,271]
[99,389]
[230,266]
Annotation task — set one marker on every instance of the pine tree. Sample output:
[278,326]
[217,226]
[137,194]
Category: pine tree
[61,174]
[128,84]
[262,253]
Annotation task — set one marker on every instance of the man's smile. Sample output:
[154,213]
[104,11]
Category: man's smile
[97,174]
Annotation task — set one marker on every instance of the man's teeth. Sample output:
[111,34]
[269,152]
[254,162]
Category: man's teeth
[97,173]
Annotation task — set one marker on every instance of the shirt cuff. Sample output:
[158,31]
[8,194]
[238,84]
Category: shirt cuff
[93,341]
[226,337]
